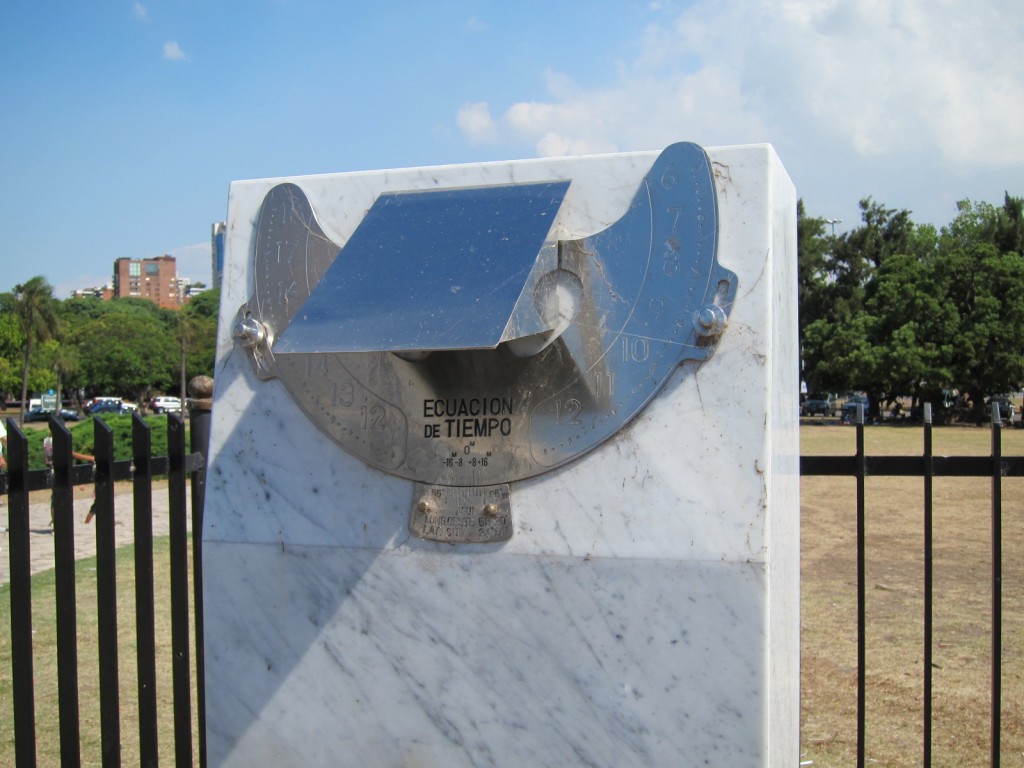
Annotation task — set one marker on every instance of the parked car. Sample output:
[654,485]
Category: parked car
[165,404]
[65,414]
[1006,408]
[97,401]
[99,408]
[848,411]
[91,405]
[818,405]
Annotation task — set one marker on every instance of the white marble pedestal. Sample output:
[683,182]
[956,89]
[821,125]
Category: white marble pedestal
[646,610]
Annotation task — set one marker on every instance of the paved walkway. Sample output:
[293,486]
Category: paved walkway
[41,535]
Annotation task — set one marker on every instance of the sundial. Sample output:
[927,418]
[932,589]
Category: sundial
[455,340]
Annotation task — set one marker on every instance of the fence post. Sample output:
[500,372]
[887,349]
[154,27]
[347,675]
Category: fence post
[861,592]
[145,613]
[21,598]
[997,584]
[106,594]
[200,390]
[63,509]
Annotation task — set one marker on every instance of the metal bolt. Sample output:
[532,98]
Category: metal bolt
[709,320]
[425,507]
[250,332]
[491,509]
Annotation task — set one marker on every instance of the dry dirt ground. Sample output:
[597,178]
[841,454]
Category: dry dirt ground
[894,569]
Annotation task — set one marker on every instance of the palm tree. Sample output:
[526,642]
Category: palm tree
[63,361]
[36,310]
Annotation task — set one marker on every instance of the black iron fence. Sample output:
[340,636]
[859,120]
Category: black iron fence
[183,468]
[927,466]
[185,474]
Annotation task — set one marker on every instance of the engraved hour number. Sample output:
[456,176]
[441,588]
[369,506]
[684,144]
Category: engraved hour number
[374,417]
[604,383]
[657,306]
[316,365]
[287,294]
[635,349]
[569,413]
[677,212]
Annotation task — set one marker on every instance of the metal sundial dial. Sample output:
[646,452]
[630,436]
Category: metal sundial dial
[454,341]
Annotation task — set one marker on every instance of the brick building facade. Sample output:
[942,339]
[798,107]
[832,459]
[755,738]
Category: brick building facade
[152,279]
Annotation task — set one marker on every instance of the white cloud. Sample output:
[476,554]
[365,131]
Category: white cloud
[893,77]
[173,52]
[140,10]
[873,78]
[476,124]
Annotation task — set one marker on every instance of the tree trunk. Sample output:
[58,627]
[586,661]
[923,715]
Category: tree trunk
[24,379]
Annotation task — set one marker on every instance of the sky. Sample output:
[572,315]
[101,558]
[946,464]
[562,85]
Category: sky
[123,123]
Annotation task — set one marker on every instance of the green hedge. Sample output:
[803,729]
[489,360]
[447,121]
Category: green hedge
[83,437]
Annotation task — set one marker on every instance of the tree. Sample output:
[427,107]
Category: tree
[61,360]
[35,308]
[201,313]
[907,310]
[127,350]
[844,343]
[982,272]
[911,325]
[10,347]
[812,273]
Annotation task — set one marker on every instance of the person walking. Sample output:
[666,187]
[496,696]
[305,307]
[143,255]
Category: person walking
[48,458]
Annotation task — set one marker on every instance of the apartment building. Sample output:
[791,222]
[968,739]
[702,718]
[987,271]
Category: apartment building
[152,279]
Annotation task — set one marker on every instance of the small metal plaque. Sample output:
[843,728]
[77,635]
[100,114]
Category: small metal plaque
[462,515]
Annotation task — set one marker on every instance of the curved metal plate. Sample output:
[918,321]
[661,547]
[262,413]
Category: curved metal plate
[472,251]
[652,295]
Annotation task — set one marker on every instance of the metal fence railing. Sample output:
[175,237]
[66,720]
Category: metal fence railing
[927,466]
[185,474]
[182,467]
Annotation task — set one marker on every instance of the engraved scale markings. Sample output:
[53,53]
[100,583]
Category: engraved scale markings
[483,417]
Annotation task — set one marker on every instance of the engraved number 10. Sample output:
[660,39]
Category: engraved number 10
[635,349]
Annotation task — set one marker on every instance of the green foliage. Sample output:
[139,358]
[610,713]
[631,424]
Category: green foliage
[205,305]
[906,310]
[83,438]
[126,347]
[11,339]
[121,427]
[812,272]
[35,309]
[125,351]
[201,341]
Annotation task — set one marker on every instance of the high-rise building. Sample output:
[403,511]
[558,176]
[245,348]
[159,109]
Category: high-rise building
[152,279]
[217,252]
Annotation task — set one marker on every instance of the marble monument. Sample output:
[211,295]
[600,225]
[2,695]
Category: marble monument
[504,466]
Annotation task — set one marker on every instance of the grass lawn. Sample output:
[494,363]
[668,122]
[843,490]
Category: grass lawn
[44,643]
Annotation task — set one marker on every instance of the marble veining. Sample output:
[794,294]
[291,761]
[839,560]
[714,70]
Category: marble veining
[645,611]
[490,660]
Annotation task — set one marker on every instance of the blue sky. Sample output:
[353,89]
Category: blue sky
[122,124]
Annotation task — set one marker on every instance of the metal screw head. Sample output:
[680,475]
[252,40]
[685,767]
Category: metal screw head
[249,332]
[425,507]
[491,509]
[709,320]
